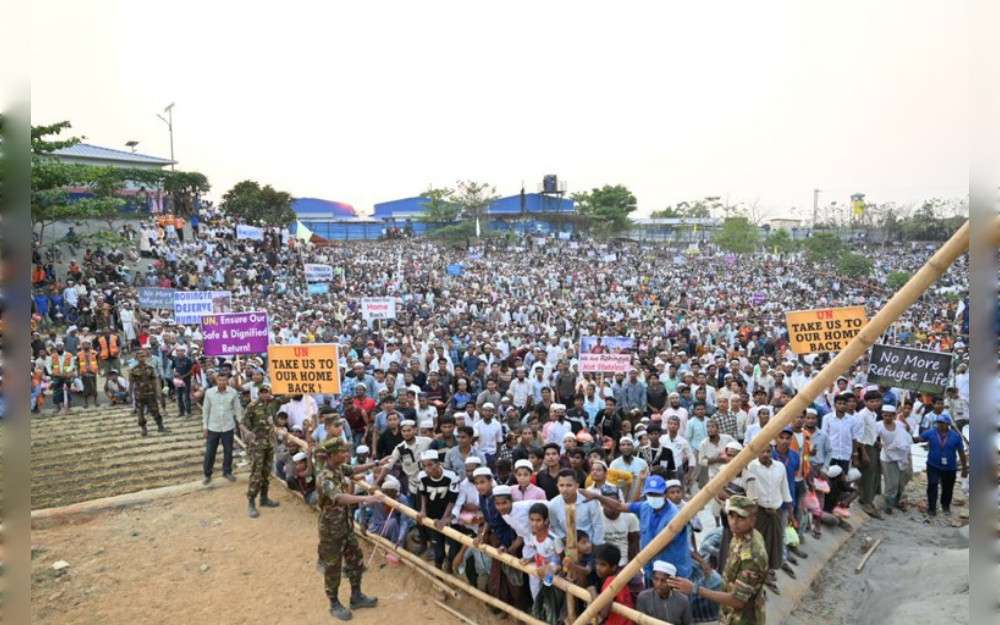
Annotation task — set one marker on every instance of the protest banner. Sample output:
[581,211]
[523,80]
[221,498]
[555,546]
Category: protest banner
[249,232]
[565,235]
[606,354]
[914,369]
[231,334]
[824,329]
[154,297]
[318,273]
[455,269]
[191,306]
[318,288]
[378,308]
[300,369]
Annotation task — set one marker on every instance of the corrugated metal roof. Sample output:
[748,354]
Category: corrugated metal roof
[311,206]
[87,150]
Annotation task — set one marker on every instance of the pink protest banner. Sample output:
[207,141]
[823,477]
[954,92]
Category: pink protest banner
[234,334]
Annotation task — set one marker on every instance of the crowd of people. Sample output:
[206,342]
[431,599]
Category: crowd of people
[471,406]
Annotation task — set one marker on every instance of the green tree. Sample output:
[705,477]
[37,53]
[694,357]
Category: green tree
[738,235]
[439,207]
[854,265]
[823,247]
[897,279]
[473,198]
[608,207]
[697,209]
[252,203]
[782,241]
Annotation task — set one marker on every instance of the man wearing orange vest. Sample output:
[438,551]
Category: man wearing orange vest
[88,373]
[62,368]
[110,350]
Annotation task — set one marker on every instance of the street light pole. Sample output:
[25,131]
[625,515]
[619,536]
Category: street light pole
[169,121]
[815,206]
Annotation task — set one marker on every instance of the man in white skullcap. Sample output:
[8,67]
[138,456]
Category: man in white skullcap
[660,602]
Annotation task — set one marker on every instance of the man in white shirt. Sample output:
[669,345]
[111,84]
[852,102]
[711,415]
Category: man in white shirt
[684,459]
[489,432]
[221,409]
[299,408]
[869,418]
[843,432]
[767,482]
[520,390]
[407,454]
[763,416]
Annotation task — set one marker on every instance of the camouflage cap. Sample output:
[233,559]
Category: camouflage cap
[334,445]
[741,505]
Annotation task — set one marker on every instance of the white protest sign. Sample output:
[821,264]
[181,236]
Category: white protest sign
[378,308]
[249,232]
[191,306]
[318,273]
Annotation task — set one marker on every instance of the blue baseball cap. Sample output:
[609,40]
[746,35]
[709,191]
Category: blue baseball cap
[655,485]
[943,418]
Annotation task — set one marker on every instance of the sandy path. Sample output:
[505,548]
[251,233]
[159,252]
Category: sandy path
[919,575]
[144,566]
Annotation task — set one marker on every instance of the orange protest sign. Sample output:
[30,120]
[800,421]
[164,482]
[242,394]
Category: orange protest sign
[824,329]
[303,369]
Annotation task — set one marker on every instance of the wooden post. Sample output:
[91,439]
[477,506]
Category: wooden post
[571,554]
[870,333]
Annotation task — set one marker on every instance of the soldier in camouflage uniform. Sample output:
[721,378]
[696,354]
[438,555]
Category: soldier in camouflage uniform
[258,431]
[742,597]
[338,546]
[146,389]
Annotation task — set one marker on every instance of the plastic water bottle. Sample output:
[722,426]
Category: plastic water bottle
[550,569]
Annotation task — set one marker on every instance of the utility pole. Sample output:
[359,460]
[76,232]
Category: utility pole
[815,207]
[169,121]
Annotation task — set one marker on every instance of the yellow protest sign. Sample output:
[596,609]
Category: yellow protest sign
[303,369]
[824,329]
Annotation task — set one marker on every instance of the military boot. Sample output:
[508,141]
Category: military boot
[252,509]
[265,501]
[338,610]
[360,600]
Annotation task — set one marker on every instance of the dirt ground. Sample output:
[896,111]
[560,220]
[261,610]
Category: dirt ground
[919,575]
[198,560]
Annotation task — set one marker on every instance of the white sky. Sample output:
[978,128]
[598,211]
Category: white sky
[365,102]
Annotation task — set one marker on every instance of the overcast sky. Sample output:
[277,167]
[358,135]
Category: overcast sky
[365,102]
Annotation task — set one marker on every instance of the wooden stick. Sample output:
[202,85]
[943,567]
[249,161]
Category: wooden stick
[450,610]
[462,585]
[869,334]
[868,554]
[559,582]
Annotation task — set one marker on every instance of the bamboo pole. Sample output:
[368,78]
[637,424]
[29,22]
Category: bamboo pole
[385,544]
[869,334]
[450,610]
[514,562]
[462,585]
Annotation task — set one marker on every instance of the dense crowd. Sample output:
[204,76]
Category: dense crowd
[470,406]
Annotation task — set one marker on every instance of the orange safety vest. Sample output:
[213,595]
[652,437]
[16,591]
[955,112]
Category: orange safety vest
[103,343]
[59,366]
[84,362]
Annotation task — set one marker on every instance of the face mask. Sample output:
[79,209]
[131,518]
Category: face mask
[655,501]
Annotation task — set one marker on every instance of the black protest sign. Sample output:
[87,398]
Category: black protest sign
[914,369]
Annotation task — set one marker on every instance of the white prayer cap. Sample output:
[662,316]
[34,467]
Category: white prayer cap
[408,423]
[489,406]
[523,464]
[503,491]
[427,424]
[362,449]
[662,566]
[888,408]
[482,471]
[299,457]
[833,471]
[429,454]
[672,483]
[473,460]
